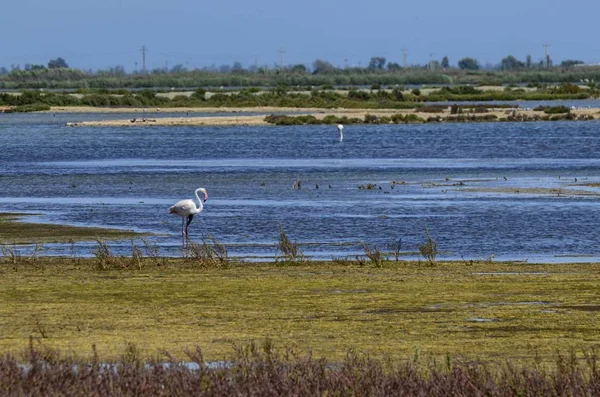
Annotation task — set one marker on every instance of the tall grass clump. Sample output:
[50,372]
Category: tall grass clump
[11,254]
[288,250]
[374,254]
[152,251]
[429,249]
[208,253]
[396,248]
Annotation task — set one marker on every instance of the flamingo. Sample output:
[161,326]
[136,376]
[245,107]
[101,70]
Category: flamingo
[186,209]
[340,128]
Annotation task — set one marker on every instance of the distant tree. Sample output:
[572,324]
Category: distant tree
[179,68]
[394,66]
[57,63]
[445,63]
[376,63]
[299,68]
[320,66]
[14,67]
[29,66]
[3,71]
[225,68]
[468,64]
[433,65]
[113,71]
[237,67]
[528,62]
[511,63]
[570,63]
[200,93]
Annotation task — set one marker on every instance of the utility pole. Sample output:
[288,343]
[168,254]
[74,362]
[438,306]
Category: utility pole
[135,66]
[430,60]
[281,52]
[166,66]
[547,59]
[144,50]
[345,63]
[404,58]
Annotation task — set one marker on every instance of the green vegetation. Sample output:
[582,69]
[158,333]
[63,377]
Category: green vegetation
[376,98]
[374,305]
[378,71]
[34,107]
[13,232]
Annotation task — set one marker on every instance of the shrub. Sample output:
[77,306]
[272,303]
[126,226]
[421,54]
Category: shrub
[34,107]
[557,110]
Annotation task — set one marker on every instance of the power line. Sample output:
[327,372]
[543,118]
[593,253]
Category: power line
[144,50]
[546,45]
[281,52]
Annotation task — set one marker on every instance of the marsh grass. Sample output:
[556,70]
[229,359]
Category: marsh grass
[323,306]
[429,249]
[208,253]
[152,250]
[262,370]
[10,254]
[14,231]
[14,256]
[288,251]
[374,254]
[396,248]
[136,256]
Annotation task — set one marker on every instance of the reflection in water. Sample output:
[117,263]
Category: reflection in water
[520,191]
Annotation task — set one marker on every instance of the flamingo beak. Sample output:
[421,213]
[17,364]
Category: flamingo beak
[205,197]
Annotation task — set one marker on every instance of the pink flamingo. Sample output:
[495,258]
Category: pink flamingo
[187,209]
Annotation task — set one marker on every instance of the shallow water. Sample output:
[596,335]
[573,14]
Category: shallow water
[446,180]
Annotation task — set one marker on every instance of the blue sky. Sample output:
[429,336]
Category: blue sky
[95,34]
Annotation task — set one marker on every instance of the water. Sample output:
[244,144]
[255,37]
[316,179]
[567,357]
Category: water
[459,181]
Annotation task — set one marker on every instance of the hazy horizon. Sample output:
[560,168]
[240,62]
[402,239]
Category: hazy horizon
[198,34]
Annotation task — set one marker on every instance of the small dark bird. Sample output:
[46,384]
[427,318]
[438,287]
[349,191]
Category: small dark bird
[132,120]
[505,178]
[316,186]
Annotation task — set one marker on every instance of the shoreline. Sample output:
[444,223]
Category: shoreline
[239,118]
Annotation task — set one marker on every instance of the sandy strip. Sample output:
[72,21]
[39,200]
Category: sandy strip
[237,118]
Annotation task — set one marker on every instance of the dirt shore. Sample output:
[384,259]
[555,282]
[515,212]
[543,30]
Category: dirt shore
[239,118]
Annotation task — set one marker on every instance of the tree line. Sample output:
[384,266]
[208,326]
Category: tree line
[510,70]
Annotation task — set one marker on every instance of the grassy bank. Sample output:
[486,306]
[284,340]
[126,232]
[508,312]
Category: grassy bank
[487,311]
[14,231]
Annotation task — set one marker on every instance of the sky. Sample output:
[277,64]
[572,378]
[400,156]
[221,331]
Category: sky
[98,34]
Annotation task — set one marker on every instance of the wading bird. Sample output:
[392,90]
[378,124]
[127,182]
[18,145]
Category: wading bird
[340,128]
[187,209]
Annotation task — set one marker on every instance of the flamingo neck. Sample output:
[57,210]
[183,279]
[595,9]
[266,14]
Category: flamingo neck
[200,205]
